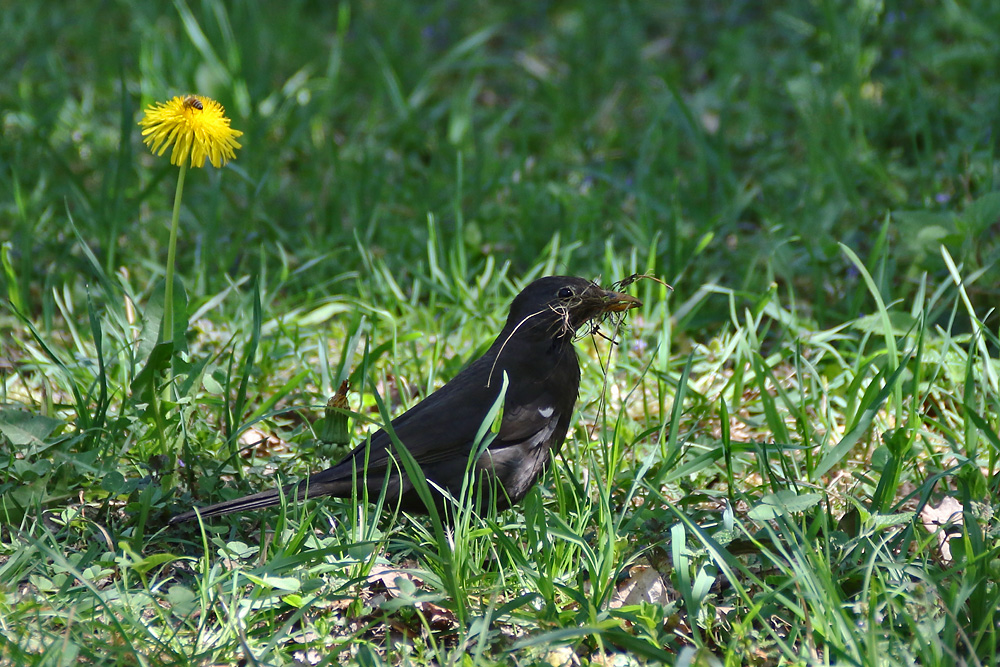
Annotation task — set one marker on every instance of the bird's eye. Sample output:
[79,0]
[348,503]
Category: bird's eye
[565,293]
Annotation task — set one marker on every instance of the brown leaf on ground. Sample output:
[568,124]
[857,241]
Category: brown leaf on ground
[388,576]
[439,618]
[257,443]
[943,520]
[644,584]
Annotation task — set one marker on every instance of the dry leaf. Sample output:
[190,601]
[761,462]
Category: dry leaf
[387,576]
[255,442]
[944,521]
[563,656]
[644,584]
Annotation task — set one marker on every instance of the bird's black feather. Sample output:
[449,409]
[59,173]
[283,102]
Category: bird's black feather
[535,351]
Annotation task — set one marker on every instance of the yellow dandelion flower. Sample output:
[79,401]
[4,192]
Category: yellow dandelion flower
[195,126]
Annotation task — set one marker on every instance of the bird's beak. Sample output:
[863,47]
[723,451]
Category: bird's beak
[616,302]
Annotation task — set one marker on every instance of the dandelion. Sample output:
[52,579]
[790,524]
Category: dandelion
[197,128]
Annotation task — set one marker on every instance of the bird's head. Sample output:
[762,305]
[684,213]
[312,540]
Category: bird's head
[557,306]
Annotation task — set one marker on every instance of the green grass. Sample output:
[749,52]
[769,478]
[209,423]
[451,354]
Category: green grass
[755,460]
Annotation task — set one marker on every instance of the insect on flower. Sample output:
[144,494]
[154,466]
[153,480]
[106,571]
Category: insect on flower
[194,127]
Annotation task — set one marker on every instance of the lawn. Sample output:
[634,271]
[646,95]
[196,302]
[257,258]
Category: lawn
[789,458]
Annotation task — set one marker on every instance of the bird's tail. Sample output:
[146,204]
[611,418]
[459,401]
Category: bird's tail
[252,502]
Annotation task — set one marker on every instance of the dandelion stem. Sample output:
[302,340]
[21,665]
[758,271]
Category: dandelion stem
[168,290]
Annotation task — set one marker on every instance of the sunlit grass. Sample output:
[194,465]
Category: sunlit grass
[753,468]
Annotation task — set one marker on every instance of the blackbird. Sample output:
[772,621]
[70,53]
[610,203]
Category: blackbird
[535,350]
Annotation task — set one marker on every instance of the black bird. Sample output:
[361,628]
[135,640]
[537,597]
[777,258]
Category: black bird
[535,350]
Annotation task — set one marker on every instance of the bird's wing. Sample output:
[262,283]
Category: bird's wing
[441,427]
[522,421]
